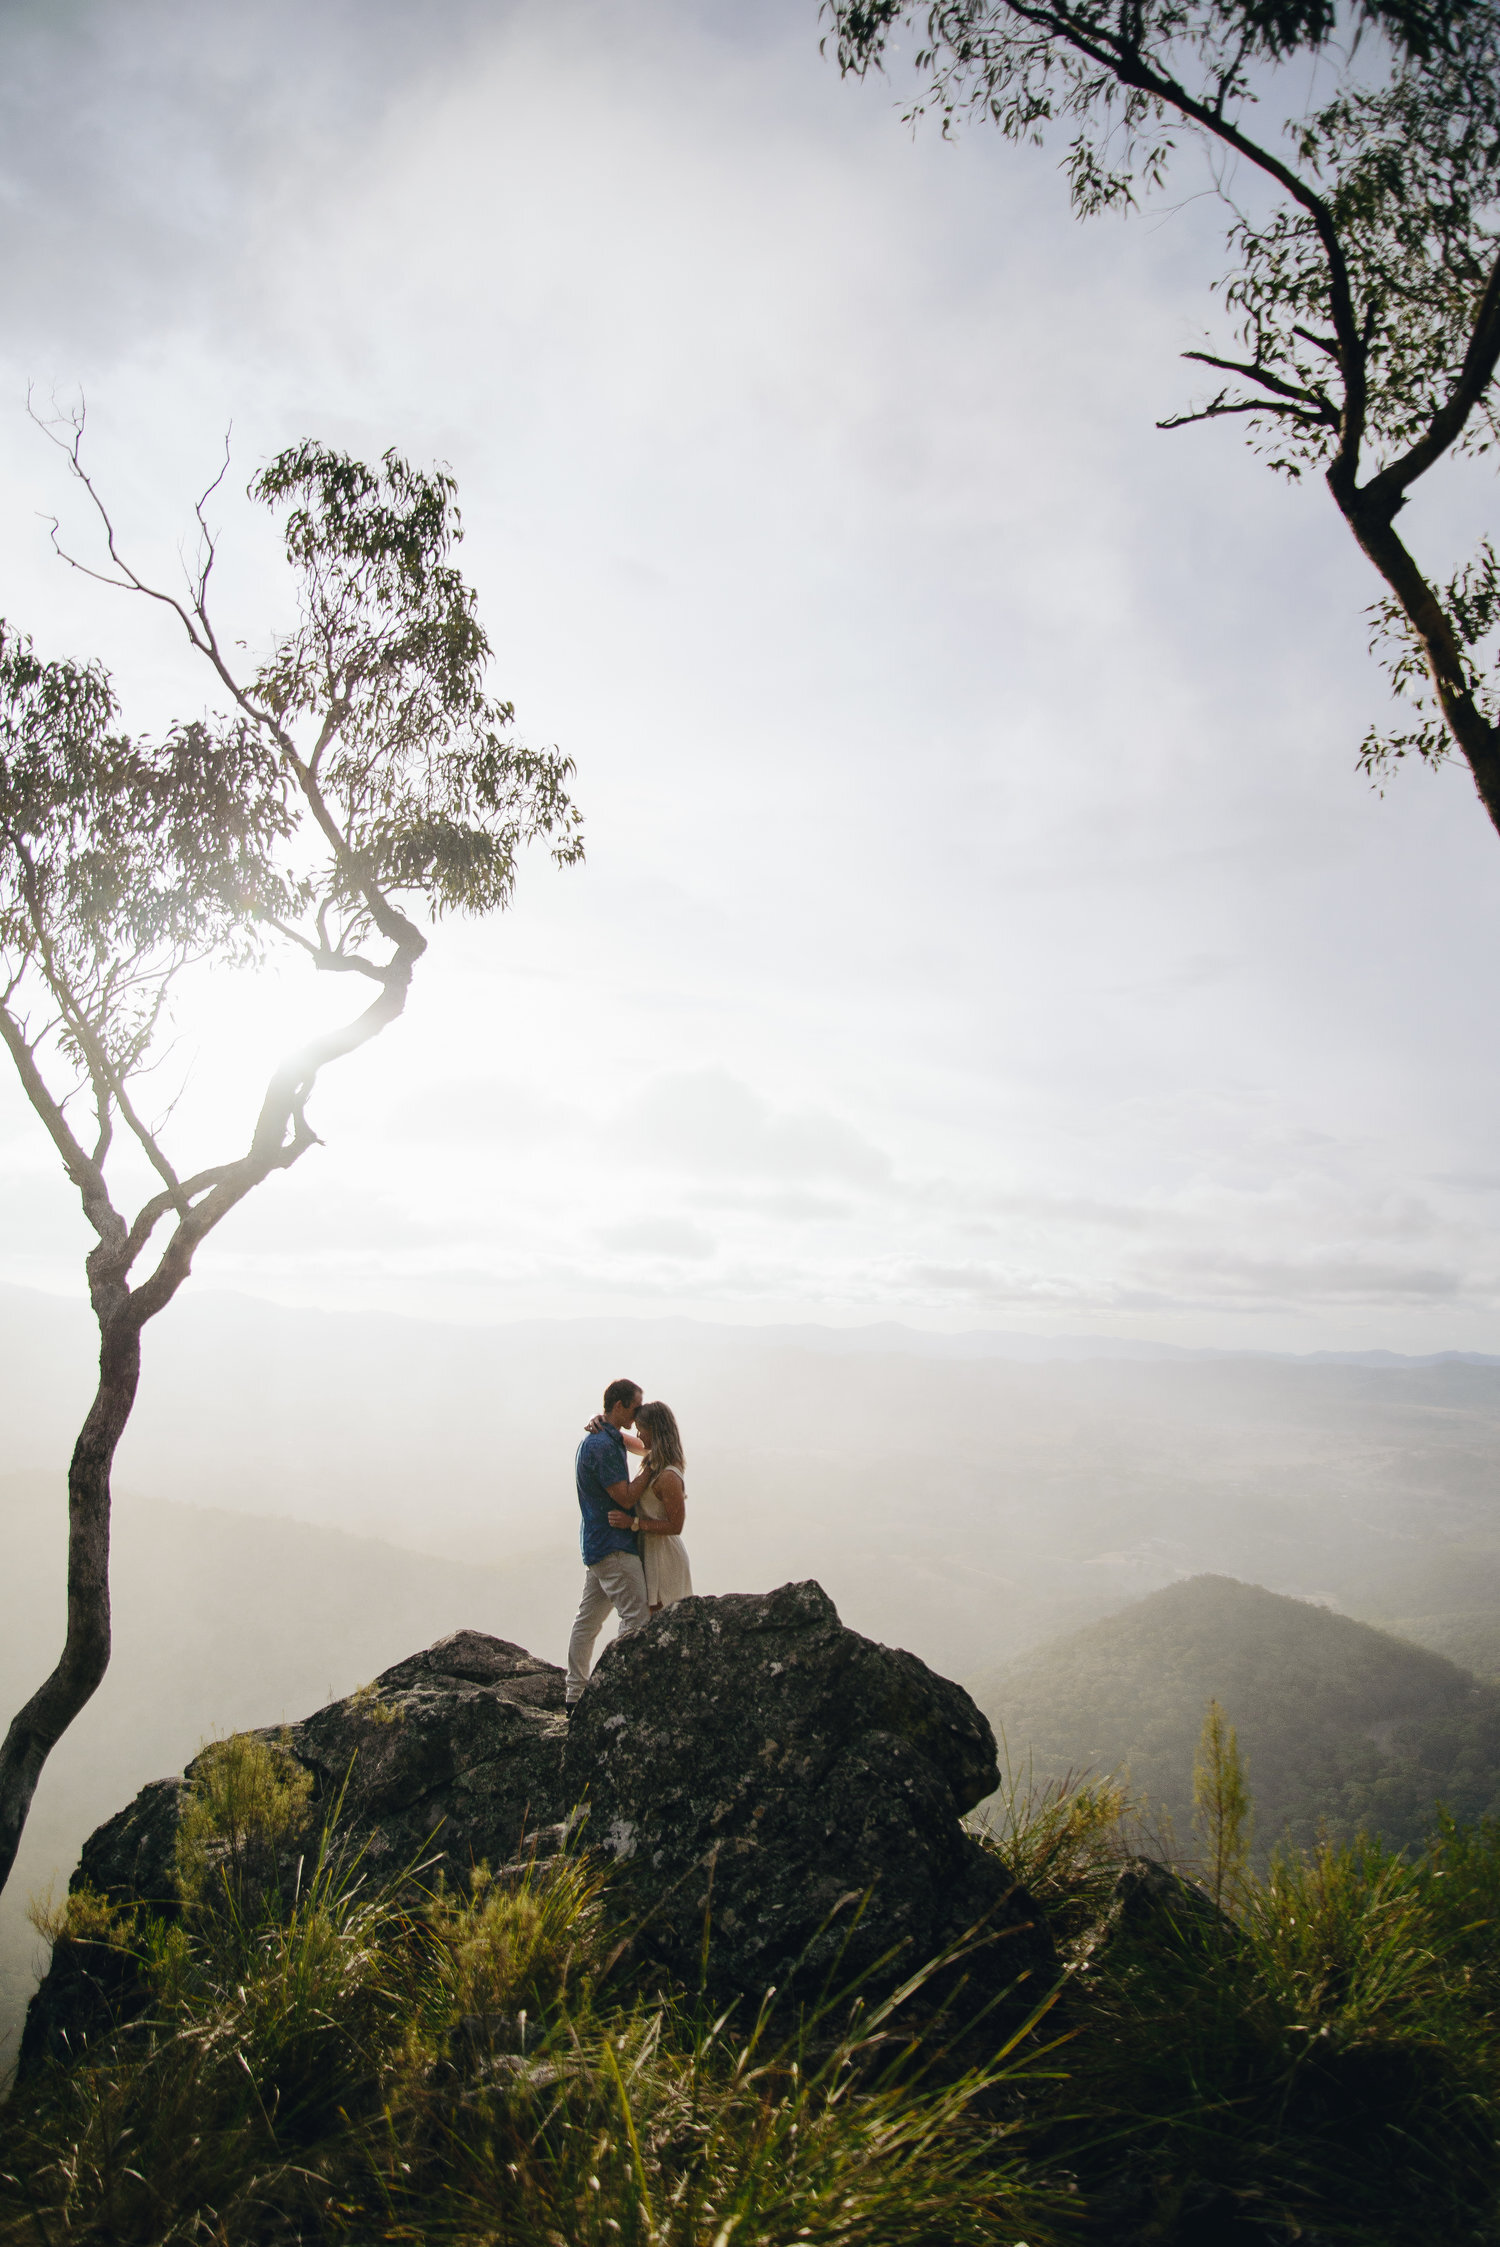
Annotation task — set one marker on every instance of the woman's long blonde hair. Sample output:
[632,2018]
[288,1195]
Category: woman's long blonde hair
[658,1424]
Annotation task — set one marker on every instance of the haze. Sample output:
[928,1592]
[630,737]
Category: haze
[985,937]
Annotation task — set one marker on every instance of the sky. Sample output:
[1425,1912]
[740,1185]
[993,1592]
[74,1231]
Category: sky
[984,924]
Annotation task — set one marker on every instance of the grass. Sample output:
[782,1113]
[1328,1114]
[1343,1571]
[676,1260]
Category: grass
[322,2057]
[325,2058]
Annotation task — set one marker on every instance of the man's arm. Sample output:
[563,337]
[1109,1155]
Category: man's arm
[624,1495]
[631,1443]
[673,1495]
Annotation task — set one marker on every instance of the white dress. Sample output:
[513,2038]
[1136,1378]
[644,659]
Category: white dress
[664,1559]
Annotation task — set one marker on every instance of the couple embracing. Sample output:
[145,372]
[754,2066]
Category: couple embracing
[634,1560]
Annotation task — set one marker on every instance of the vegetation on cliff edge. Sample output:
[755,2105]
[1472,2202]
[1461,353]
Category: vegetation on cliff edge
[308,2055]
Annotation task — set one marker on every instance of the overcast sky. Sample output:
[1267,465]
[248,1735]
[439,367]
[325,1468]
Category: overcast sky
[984,924]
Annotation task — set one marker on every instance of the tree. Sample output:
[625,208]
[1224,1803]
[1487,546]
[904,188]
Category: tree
[361,776]
[1222,1809]
[1364,293]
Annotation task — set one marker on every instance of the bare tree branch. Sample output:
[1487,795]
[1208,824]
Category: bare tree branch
[1322,405]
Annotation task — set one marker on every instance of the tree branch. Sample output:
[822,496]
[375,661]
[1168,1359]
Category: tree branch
[100,1067]
[392,923]
[282,1133]
[324,956]
[85,1173]
[1425,613]
[1219,408]
[1385,494]
[1316,399]
[127,581]
[1322,343]
[151,1213]
[1130,67]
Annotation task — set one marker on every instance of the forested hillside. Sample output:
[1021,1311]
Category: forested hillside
[1343,1727]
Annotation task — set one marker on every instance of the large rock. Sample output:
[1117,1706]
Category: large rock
[751,1763]
[454,1753]
[748,1759]
[451,1756]
[447,1760]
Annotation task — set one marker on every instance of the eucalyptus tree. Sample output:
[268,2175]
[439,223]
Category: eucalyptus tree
[1356,156]
[359,780]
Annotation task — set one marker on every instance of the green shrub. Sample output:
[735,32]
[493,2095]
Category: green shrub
[243,1803]
[1063,1840]
[1321,2054]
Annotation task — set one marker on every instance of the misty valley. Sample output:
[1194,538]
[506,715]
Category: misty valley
[1074,1538]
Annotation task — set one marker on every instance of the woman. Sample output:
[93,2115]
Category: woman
[660,1509]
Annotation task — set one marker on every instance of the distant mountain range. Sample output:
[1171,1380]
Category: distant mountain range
[1072,1349]
[880,1338]
[952,1499]
[1344,1728]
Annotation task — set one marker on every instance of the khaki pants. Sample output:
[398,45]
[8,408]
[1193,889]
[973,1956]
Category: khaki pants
[619,1582]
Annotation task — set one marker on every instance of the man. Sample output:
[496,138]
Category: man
[612,1573]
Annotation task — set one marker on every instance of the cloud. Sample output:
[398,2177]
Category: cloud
[1334,1279]
[979,909]
[798,1205]
[1212,1280]
[983,1283]
[669,1237]
[481,1110]
[711,1124]
[975,1203]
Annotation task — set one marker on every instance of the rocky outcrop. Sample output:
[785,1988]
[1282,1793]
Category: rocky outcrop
[753,1767]
[454,1753]
[447,1760]
[745,1761]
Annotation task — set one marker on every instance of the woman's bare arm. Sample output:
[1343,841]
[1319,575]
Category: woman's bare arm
[673,1495]
[631,1443]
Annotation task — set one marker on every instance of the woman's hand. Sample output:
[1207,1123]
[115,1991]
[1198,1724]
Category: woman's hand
[618,1520]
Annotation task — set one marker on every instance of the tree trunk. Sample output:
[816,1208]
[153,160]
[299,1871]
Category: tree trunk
[1477,739]
[85,1656]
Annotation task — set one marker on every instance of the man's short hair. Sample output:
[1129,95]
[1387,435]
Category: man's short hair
[621,1392]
